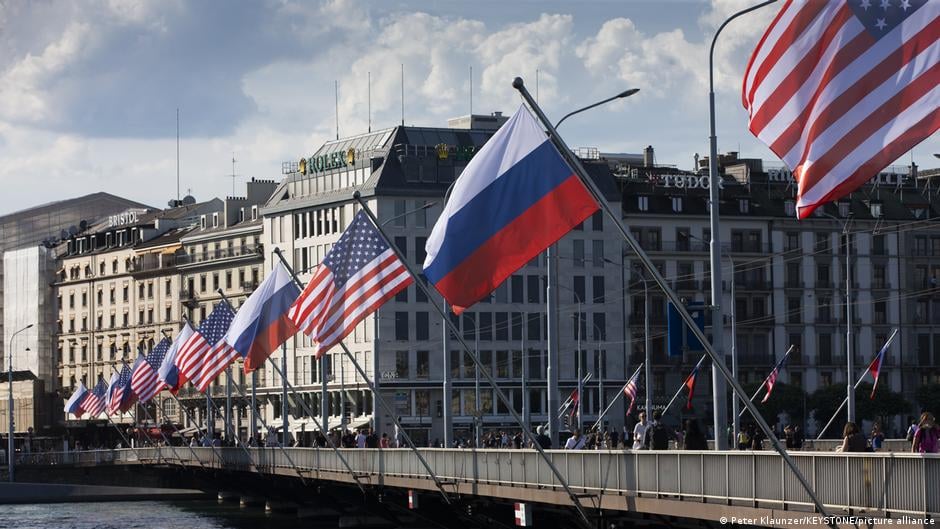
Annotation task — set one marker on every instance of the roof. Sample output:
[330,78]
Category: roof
[171,237]
[18,376]
[60,204]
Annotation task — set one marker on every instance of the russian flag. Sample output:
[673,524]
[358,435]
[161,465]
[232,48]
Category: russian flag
[875,366]
[516,197]
[262,323]
[168,373]
[74,404]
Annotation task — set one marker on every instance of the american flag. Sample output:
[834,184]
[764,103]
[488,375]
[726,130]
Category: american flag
[771,380]
[121,394]
[144,380]
[630,390]
[95,402]
[205,354]
[840,89]
[356,277]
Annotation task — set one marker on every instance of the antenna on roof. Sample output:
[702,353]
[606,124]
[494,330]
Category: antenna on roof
[402,94]
[370,101]
[471,93]
[336,102]
[537,85]
[177,153]
[233,176]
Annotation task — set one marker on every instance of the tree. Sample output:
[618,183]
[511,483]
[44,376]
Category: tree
[786,398]
[882,407]
[928,396]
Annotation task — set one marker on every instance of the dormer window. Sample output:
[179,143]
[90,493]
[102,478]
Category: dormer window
[875,209]
[789,208]
[202,221]
[241,214]
[254,212]
[744,205]
[215,220]
[844,209]
[677,204]
[643,203]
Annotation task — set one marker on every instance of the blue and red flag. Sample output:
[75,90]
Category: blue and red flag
[168,372]
[121,396]
[262,323]
[74,404]
[875,366]
[515,198]
[690,385]
[145,380]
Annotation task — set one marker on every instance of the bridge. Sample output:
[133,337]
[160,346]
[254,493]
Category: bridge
[617,488]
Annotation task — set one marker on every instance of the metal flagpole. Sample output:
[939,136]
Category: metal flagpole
[483,370]
[285,421]
[382,402]
[617,220]
[446,389]
[307,410]
[325,399]
[614,400]
[763,382]
[857,383]
[228,404]
[526,416]
[254,406]
[679,391]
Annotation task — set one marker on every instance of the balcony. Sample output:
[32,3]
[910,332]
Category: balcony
[687,285]
[235,252]
[152,262]
[746,247]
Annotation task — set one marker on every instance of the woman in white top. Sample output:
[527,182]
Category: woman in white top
[639,431]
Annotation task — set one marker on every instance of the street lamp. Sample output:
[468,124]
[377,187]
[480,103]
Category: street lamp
[551,295]
[10,387]
[648,363]
[718,383]
[849,361]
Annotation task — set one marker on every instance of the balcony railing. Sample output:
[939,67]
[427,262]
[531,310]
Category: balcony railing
[222,253]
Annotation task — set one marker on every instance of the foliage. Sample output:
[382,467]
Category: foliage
[885,405]
[928,396]
[785,398]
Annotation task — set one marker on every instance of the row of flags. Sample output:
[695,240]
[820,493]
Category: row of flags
[837,89]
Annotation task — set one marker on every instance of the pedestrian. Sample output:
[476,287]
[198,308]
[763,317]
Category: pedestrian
[694,439]
[877,438]
[383,443]
[614,439]
[657,435]
[927,438]
[544,441]
[575,442]
[639,431]
[744,439]
[912,429]
[852,439]
[360,440]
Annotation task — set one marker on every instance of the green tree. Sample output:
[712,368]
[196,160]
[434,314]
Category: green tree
[928,396]
[885,405]
[786,398]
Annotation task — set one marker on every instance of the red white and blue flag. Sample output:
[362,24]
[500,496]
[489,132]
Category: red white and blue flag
[199,355]
[516,197]
[771,379]
[358,275]
[690,385]
[74,404]
[96,400]
[630,390]
[875,366]
[168,373]
[840,89]
[120,395]
[145,380]
[262,323]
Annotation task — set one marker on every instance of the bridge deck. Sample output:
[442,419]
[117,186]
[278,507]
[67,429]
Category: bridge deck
[703,485]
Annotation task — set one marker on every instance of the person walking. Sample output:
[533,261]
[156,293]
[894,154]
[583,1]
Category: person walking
[544,441]
[639,431]
[694,439]
[927,438]
[657,435]
[575,442]
[852,439]
[877,437]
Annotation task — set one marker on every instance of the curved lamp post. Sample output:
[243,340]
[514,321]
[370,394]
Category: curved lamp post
[10,404]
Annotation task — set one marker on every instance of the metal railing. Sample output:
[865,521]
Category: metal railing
[888,483]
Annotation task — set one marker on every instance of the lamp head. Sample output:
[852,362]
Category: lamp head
[628,93]
[517,83]
[30,325]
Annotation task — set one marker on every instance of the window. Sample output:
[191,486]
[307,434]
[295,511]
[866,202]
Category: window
[600,327]
[879,276]
[791,241]
[824,348]
[598,253]
[597,221]
[598,289]
[533,294]
[401,364]
[168,313]
[486,326]
[881,312]
[502,326]
[823,309]
[126,293]
[822,276]
[578,290]
[168,288]
[401,325]
[822,243]
[677,204]
[578,252]
[399,214]
[794,309]
[643,203]
[516,289]
[792,275]
[150,290]
[422,365]
[422,326]
[502,364]
[744,206]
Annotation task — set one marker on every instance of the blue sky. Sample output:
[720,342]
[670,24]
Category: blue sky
[89,91]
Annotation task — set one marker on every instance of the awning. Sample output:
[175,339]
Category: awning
[306,425]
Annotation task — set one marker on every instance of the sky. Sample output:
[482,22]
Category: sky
[89,90]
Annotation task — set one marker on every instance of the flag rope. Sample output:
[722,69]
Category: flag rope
[778,365]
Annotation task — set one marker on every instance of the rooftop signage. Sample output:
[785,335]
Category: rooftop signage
[327,162]
[122,219]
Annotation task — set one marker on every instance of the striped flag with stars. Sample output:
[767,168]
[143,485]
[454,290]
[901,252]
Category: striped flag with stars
[121,396]
[359,274]
[840,89]
[196,357]
[145,381]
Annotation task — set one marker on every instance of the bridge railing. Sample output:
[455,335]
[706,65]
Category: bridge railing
[890,483]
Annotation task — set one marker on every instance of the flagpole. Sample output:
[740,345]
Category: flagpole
[857,384]
[777,366]
[484,371]
[388,408]
[307,410]
[254,406]
[228,405]
[446,389]
[686,379]
[615,399]
[285,422]
[143,406]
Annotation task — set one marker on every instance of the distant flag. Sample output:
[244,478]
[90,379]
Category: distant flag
[690,385]
[168,373]
[95,401]
[573,404]
[875,366]
[630,390]
[145,380]
[194,358]
[769,384]
[122,396]
[358,275]
[261,325]
[840,89]
[74,404]
[516,197]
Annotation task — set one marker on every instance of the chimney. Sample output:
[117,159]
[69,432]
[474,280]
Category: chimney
[648,156]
